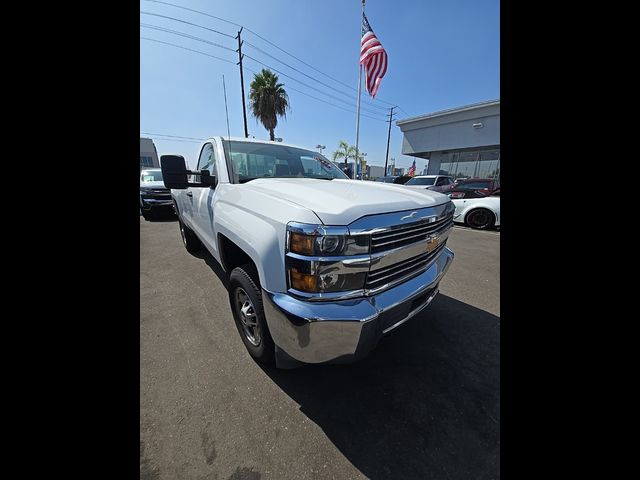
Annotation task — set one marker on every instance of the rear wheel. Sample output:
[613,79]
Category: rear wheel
[246,304]
[190,240]
[480,218]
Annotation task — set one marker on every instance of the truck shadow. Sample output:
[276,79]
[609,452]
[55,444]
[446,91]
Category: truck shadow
[204,255]
[424,404]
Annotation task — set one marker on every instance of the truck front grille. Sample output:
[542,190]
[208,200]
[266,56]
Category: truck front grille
[406,235]
[402,252]
[401,271]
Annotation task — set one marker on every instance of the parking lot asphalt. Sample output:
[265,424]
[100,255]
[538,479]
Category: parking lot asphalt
[424,404]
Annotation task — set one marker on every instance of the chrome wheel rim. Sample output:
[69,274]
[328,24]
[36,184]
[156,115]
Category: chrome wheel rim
[248,317]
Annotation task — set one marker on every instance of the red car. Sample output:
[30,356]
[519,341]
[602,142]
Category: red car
[482,187]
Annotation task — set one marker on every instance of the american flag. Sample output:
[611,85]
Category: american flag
[373,57]
[412,169]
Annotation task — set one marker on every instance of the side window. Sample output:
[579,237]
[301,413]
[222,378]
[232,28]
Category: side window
[207,160]
[442,181]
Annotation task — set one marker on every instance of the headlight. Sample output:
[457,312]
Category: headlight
[321,259]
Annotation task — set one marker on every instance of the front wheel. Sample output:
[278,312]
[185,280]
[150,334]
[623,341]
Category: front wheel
[246,304]
[481,218]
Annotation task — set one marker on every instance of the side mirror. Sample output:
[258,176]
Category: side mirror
[207,180]
[174,171]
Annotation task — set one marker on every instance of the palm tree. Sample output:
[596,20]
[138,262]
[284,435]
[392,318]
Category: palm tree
[268,100]
[344,151]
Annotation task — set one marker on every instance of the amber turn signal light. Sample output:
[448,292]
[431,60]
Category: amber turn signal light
[303,281]
[302,244]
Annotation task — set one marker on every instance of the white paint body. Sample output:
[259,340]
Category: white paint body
[254,215]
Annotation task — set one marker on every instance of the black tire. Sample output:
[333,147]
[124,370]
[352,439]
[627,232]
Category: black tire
[190,240]
[148,215]
[480,218]
[257,339]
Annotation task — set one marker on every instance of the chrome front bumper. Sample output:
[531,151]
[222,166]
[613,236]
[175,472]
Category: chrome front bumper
[346,330]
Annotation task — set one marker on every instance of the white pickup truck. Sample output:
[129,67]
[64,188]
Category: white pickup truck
[320,266]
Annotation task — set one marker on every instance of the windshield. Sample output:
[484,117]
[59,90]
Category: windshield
[259,160]
[421,181]
[151,176]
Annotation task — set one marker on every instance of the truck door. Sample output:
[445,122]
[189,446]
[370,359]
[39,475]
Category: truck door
[203,199]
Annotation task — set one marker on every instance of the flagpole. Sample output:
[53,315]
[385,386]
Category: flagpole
[358,102]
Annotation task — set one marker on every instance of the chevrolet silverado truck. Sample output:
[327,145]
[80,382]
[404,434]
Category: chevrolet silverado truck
[154,196]
[319,266]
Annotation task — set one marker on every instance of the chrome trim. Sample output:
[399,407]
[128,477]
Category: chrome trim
[326,296]
[389,258]
[383,230]
[380,223]
[316,332]
[413,228]
[404,278]
[313,229]
[345,259]
[412,313]
[320,267]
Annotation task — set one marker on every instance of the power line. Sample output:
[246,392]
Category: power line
[269,42]
[190,49]
[308,76]
[310,66]
[200,39]
[308,86]
[404,111]
[253,71]
[175,32]
[173,140]
[324,101]
[173,136]
[188,23]
[196,11]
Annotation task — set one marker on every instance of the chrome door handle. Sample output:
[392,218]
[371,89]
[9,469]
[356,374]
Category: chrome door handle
[189,194]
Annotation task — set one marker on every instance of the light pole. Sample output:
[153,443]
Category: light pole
[321,147]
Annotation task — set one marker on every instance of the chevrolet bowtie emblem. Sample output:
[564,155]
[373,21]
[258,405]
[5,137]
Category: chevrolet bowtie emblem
[432,242]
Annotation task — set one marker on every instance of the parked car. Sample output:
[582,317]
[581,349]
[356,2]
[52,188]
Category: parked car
[387,179]
[437,183]
[402,179]
[476,210]
[482,185]
[320,267]
[154,196]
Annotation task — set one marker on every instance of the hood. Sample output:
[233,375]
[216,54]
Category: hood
[340,202]
[154,185]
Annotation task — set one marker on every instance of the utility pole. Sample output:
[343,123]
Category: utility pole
[244,108]
[386,158]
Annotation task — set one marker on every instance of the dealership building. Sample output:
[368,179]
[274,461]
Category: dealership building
[461,142]
[148,154]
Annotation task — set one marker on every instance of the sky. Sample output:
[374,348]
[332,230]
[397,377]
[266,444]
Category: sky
[441,54]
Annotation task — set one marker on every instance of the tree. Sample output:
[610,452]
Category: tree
[268,100]
[344,151]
